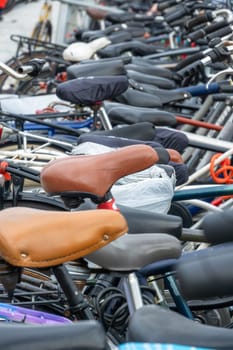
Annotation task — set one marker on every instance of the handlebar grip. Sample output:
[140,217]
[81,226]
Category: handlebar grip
[219,33]
[164,5]
[205,273]
[176,15]
[198,34]
[215,26]
[189,60]
[201,33]
[200,19]
[191,69]
[33,67]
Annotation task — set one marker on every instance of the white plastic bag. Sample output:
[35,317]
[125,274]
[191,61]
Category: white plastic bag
[151,189]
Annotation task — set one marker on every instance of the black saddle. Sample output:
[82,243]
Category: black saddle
[90,90]
[158,81]
[86,335]
[124,114]
[96,69]
[156,324]
[136,47]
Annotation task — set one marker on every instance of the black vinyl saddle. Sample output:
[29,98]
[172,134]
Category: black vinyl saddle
[85,335]
[158,81]
[147,68]
[137,48]
[109,68]
[156,324]
[120,113]
[90,90]
[144,131]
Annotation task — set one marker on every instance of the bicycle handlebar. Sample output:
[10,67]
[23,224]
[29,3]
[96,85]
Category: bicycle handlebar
[220,33]
[8,70]
[201,33]
[34,67]
[200,19]
[182,11]
[189,60]
[26,72]
[164,5]
[217,54]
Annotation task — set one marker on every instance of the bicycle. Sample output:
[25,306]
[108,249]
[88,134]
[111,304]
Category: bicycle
[43,29]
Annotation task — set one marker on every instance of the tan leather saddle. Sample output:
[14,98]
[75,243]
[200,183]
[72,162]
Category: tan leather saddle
[41,238]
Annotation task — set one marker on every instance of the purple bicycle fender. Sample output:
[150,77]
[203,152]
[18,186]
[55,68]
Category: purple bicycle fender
[13,313]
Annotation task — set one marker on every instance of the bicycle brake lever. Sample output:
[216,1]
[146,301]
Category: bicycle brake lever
[224,12]
[219,74]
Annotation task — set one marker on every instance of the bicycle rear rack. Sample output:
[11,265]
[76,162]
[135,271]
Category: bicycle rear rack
[34,43]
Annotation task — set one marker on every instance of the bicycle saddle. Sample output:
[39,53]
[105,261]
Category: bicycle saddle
[87,34]
[160,82]
[156,324]
[206,273]
[80,335]
[42,238]
[150,69]
[94,175]
[79,51]
[124,255]
[116,67]
[213,223]
[145,221]
[140,98]
[107,143]
[90,90]
[136,47]
[116,37]
[144,131]
[174,95]
[120,113]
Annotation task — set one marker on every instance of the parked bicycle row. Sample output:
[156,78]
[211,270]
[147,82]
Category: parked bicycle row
[120,139]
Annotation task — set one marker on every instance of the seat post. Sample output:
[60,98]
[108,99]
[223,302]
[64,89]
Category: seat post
[132,292]
[78,306]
